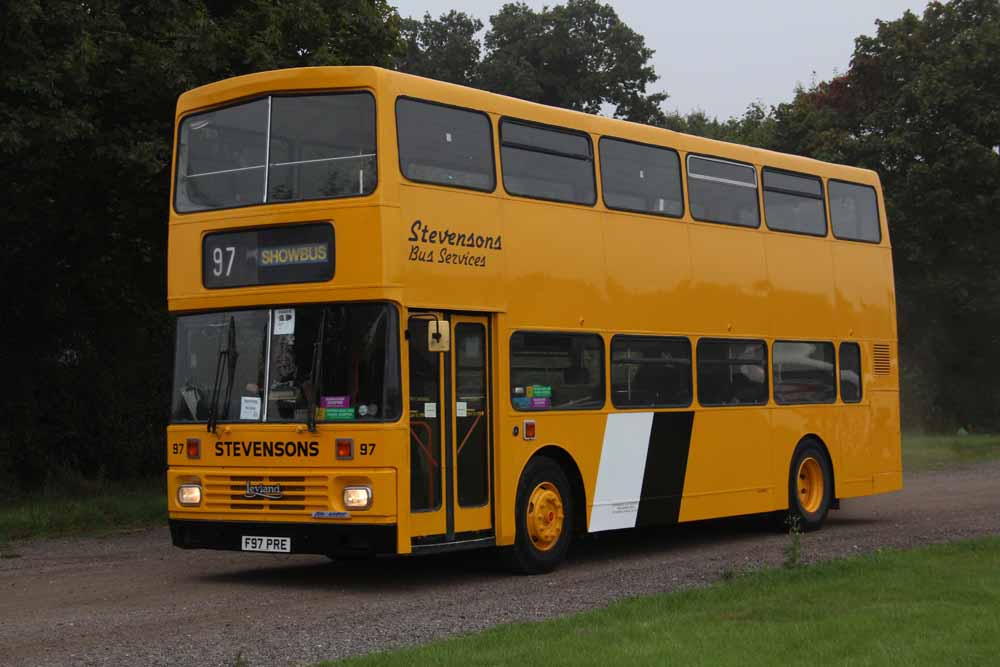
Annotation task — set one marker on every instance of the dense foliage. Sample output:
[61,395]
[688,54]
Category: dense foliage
[87,95]
[579,55]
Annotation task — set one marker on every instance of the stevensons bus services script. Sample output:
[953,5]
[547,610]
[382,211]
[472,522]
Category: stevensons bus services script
[438,246]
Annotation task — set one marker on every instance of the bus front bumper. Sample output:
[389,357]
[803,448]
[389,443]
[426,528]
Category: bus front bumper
[306,538]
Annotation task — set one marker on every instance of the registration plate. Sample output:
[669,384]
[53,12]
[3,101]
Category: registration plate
[277,545]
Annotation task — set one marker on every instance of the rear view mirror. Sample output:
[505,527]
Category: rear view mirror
[438,336]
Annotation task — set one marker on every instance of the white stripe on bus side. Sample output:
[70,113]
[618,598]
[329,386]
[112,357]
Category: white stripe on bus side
[619,477]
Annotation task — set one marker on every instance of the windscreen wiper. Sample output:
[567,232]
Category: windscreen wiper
[316,372]
[225,354]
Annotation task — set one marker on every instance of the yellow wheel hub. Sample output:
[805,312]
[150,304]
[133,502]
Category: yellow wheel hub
[545,516]
[810,485]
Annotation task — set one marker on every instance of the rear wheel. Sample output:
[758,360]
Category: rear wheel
[544,516]
[810,486]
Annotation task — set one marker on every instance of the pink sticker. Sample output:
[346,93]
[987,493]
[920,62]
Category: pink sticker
[541,403]
[335,401]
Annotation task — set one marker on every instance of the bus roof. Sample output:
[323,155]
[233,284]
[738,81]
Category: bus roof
[384,81]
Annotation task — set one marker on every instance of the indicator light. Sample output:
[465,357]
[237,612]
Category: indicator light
[529,429]
[345,449]
[194,448]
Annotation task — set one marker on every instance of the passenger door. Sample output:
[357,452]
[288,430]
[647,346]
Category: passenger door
[451,482]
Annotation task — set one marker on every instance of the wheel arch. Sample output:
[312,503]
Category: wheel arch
[565,461]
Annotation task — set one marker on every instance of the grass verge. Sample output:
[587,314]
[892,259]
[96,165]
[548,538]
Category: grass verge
[936,452]
[935,605]
[104,506]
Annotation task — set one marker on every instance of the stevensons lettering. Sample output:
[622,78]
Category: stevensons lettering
[437,246]
[277,448]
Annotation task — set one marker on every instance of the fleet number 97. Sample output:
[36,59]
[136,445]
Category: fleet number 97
[222,261]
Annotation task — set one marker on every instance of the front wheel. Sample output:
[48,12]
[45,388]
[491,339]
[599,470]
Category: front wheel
[544,516]
[810,486]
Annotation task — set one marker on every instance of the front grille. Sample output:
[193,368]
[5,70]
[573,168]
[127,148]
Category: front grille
[882,359]
[299,493]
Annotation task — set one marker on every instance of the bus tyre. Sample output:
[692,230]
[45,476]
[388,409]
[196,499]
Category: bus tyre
[544,516]
[810,487]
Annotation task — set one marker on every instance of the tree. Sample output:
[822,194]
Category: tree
[579,55]
[445,49]
[920,104]
[87,97]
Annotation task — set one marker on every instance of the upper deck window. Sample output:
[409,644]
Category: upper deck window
[794,203]
[445,145]
[646,179]
[547,163]
[723,191]
[854,212]
[277,149]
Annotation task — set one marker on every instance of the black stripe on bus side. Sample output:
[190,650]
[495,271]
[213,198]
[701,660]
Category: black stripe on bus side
[666,463]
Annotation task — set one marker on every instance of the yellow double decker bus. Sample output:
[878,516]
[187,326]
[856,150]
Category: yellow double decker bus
[414,317]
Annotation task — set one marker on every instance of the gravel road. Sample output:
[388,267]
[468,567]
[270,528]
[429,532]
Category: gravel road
[134,599]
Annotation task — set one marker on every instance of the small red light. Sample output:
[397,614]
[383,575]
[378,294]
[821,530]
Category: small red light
[194,448]
[529,429]
[345,448]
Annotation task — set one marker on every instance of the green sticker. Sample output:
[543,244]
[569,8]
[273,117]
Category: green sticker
[541,390]
[339,414]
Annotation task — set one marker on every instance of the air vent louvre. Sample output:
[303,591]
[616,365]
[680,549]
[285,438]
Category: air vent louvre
[882,358]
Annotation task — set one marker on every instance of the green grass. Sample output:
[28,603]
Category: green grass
[97,508]
[935,605]
[936,452]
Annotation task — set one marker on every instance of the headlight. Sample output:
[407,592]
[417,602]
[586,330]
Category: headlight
[357,497]
[189,495]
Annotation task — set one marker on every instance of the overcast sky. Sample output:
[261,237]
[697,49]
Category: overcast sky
[718,55]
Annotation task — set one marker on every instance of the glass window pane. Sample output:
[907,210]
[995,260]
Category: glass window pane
[794,213]
[439,144]
[358,379]
[322,146]
[220,158]
[724,192]
[650,372]
[425,420]
[228,343]
[532,169]
[556,371]
[641,178]
[805,185]
[540,138]
[732,372]
[854,212]
[850,372]
[804,372]
[472,421]
[715,168]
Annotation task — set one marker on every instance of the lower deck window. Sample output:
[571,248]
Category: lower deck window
[804,372]
[556,371]
[650,372]
[732,372]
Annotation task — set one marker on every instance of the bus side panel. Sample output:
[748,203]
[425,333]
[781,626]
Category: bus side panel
[579,435]
[854,475]
[730,294]
[791,423]
[649,272]
[729,464]
[800,271]
[886,451]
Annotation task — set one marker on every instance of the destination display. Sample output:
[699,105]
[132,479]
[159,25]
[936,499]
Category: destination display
[269,256]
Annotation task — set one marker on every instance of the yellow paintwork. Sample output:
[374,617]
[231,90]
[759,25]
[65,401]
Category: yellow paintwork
[567,267]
